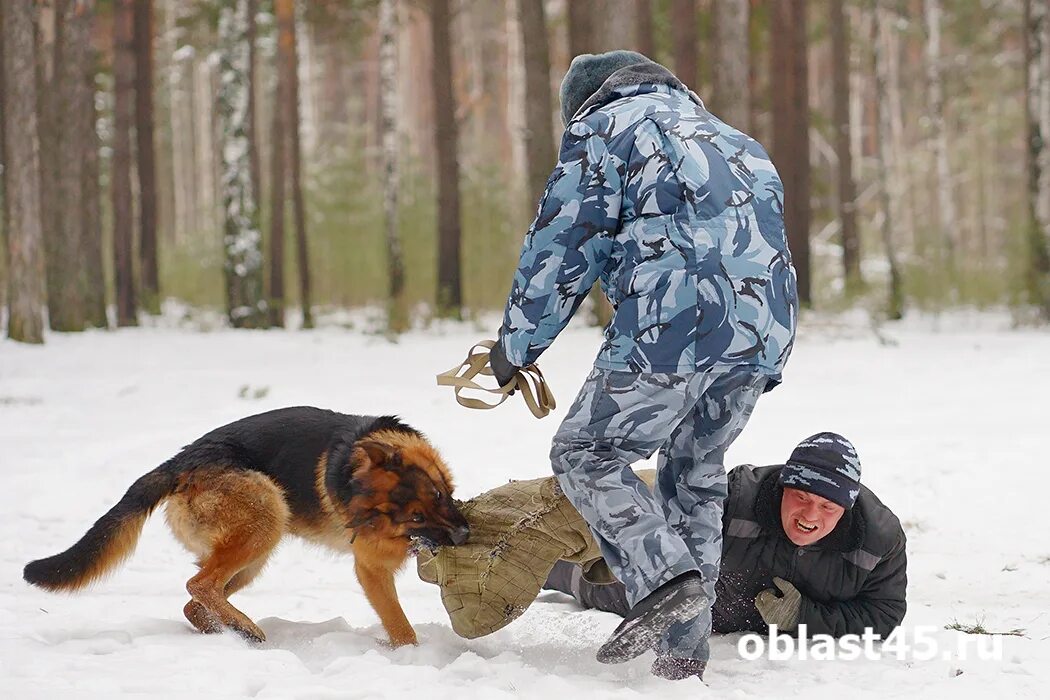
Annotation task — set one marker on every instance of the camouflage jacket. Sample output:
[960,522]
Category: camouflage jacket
[681,218]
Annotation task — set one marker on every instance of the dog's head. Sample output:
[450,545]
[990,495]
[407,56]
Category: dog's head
[395,485]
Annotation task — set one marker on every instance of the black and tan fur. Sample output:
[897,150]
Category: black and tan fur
[361,484]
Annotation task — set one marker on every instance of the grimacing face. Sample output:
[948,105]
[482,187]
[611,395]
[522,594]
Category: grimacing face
[806,517]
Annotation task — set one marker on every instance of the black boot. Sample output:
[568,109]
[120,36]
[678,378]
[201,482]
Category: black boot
[680,599]
[675,669]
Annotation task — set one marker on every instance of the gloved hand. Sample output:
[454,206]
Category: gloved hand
[780,610]
[501,367]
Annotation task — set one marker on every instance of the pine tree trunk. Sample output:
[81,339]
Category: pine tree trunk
[539,139]
[245,305]
[23,227]
[581,28]
[895,302]
[397,307]
[120,177]
[1037,60]
[284,11]
[93,278]
[149,283]
[685,41]
[46,30]
[295,160]
[581,41]
[643,37]
[449,283]
[847,190]
[730,97]
[65,300]
[790,104]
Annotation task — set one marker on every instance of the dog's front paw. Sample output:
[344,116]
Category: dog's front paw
[401,640]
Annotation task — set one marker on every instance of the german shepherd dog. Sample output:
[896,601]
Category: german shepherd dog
[368,485]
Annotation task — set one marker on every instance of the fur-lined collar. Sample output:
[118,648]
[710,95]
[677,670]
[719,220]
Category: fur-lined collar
[847,536]
[629,76]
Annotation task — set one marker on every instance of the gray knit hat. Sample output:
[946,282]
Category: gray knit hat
[586,74]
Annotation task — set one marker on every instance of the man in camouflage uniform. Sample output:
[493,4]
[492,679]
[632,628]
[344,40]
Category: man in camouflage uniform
[680,216]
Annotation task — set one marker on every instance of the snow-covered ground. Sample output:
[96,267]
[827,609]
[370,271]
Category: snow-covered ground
[949,416]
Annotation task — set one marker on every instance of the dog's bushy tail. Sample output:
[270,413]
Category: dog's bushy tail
[110,540]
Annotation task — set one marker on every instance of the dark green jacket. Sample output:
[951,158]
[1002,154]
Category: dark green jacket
[852,579]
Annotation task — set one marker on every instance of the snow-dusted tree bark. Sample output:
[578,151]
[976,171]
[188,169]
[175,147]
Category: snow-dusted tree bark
[449,283]
[24,232]
[243,260]
[1037,60]
[397,308]
[149,282]
[946,218]
[685,41]
[895,302]
[730,96]
[295,160]
[539,138]
[120,173]
[253,89]
[847,189]
[790,102]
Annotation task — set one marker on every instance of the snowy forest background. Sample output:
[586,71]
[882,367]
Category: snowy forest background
[253,155]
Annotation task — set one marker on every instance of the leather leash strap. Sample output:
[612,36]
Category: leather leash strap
[529,381]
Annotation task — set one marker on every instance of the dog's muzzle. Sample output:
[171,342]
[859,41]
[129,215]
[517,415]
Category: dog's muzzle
[459,535]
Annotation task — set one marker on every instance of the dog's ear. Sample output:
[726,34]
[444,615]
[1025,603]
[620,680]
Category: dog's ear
[377,452]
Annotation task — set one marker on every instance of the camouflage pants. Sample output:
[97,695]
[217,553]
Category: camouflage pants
[649,537]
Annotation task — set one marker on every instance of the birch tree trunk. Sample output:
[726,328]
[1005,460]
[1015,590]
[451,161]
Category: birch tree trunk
[946,219]
[730,97]
[120,174]
[847,190]
[397,307]
[24,232]
[895,301]
[295,158]
[449,283]
[149,282]
[245,305]
[1037,60]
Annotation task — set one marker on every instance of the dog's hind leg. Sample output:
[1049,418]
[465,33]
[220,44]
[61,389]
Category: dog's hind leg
[232,519]
[208,587]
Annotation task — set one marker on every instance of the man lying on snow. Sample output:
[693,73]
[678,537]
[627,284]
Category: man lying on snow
[803,543]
